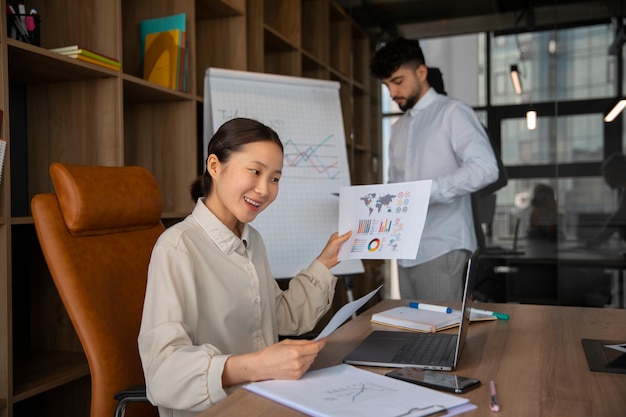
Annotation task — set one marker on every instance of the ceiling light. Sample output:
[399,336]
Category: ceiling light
[531,119]
[615,111]
[515,79]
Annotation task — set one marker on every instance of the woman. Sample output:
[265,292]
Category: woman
[213,311]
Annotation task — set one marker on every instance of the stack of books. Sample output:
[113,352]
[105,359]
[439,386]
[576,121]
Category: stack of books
[78,52]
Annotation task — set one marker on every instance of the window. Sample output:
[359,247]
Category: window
[563,139]
[568,64]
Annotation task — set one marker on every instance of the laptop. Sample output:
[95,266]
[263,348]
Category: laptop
[438,351]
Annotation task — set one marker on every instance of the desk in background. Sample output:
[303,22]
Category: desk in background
[550,272]
[536,359]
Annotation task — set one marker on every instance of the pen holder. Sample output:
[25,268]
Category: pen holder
[24,27]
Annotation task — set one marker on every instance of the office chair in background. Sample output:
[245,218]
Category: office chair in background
[97,234]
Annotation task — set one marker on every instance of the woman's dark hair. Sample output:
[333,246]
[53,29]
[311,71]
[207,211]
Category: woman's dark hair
[231,137]
[394,54]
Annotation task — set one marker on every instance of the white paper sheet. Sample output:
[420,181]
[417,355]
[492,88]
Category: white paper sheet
[347,391]
[387,220]
[344,312]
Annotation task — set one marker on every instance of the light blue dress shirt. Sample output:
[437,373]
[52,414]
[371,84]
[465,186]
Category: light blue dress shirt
[441,139]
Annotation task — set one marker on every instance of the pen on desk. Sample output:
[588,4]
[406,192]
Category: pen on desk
[431,307]
[501,316]
[493,401]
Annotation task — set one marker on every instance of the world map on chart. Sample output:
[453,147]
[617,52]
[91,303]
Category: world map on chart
[382,202]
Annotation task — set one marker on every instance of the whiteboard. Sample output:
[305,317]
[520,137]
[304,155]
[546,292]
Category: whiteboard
[307,116]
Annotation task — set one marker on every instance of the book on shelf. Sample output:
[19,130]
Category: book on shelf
[3,147]
[94,61]
[163,51]
[74,51]
[427,321]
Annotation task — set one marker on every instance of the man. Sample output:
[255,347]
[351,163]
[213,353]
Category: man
[438,138]
[614,173]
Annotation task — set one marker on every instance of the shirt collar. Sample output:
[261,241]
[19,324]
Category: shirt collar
[224,238]
[424,102]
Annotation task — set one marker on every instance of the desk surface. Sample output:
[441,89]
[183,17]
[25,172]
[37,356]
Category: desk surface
[536,359]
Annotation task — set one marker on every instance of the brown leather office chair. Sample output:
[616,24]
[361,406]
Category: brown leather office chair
[97,234]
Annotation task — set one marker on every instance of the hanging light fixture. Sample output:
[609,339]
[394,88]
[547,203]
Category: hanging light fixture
[516,80]
[615,111]
[531,119]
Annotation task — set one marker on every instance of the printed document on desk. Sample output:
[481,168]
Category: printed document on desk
[387,220]
[347,391]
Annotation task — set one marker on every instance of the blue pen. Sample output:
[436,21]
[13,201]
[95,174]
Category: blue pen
[430,307]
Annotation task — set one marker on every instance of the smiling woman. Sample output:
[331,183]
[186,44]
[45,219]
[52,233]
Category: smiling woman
[213,311]
[244,166]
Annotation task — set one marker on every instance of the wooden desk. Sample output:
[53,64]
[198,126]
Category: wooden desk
[536,359]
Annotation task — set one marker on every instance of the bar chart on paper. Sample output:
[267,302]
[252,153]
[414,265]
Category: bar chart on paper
[307,116]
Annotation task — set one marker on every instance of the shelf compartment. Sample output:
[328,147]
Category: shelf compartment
[138,90]
[39,371]
[30,64]
[312,68]
[315,20]
[162,137]
[281,57]
[211,9]
[361,47]
[229,53]
[283,17]
[340,39]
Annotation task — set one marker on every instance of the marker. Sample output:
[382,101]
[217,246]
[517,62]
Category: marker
[430,307]
[493,402]
[501,316]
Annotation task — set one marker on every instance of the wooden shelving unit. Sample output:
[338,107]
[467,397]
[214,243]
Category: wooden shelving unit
[56,108]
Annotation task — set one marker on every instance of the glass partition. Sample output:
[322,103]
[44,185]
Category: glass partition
[571,80]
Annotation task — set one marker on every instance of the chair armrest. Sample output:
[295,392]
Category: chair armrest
[132,394]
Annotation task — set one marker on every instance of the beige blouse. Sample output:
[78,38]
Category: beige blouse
[209,295]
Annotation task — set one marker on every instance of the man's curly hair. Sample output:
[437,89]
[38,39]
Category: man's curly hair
[395,53]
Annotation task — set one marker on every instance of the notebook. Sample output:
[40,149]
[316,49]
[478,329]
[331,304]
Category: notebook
[438,351]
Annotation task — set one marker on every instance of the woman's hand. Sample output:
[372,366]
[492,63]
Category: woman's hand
[288,359]
[329,254]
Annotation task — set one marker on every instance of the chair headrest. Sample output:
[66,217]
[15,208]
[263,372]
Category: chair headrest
[96,200]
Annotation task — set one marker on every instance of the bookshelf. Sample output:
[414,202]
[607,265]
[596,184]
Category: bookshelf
[57,108]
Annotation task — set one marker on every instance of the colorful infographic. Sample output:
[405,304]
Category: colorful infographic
[387,220]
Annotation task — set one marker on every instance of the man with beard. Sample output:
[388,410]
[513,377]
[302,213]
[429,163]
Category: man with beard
[438,138]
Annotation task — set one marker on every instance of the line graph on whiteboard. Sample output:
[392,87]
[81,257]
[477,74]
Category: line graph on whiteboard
[311,161]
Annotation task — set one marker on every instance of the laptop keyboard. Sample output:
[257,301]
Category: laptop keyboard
[424,349]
